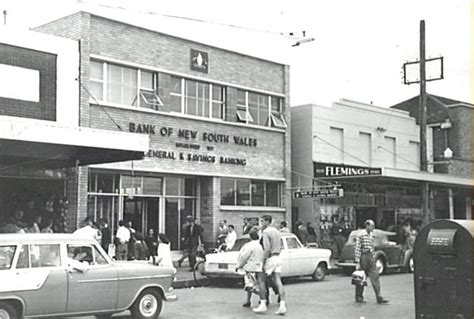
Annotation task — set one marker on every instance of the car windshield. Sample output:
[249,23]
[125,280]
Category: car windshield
[239,243]
[6,256]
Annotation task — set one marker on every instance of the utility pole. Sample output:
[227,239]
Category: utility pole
[427,215]
[425,191]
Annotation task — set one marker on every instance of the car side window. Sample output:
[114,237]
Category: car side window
[6,256]
[292,243]
[86,253]
[45,255]
[24,258]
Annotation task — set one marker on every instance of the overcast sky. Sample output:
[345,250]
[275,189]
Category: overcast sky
[358,51]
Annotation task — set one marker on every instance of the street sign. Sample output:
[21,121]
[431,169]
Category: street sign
[324,192]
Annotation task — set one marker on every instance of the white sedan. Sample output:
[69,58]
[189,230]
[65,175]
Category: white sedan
[297,260]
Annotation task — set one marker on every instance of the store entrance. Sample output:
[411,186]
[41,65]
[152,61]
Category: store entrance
[364,213]
[143,212]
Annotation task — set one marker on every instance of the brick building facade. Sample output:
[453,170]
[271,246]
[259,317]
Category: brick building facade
[217,123]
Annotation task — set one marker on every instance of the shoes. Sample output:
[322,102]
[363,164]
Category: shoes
[360,301]
[262,307]
[382,301]
[246,305]
[282,309]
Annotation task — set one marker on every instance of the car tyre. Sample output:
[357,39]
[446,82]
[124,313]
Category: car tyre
[319,272]
[148,305]
[411,265]
[380,265]
[7,311]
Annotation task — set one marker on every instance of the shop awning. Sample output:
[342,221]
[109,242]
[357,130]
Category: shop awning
[33,143]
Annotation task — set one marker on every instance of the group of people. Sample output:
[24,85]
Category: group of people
[27,220]
[227,235]
[129,243]
[305,233]
[261,261]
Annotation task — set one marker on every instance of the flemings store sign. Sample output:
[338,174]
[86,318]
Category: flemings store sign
[339,170]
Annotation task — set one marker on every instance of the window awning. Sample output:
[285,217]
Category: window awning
[40,144]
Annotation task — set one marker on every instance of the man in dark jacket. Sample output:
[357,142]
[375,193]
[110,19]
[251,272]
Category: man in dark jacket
[193,237]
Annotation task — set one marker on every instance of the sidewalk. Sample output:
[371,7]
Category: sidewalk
[184,277]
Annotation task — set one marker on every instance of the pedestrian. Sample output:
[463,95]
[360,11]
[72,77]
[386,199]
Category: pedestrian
[184,241]
[222,233]
[194,241]
[88,230]
[164,251]
[140,249]
[131,242]
[152,244]
[301,231]
[106,234]
[250,259]
[284,227]
[47,226]
[311,238]
[246,227]
[231,237]
[338,237]
[122,237]
[271,241]
[34,226]
[364,258]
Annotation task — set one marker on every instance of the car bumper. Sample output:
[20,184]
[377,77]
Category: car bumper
[345,264]
[222,274]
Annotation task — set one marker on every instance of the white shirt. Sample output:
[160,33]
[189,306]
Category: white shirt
[230,240]
[164,253]
[88,231]
[123,234]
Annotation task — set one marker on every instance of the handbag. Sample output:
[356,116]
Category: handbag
[359,278]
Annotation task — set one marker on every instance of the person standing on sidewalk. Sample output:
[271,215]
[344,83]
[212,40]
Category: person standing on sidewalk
[272,266]
[364,258]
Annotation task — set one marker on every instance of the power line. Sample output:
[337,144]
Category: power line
[396,155]
[340,149]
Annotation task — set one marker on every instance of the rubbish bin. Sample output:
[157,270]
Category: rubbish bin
[442,256]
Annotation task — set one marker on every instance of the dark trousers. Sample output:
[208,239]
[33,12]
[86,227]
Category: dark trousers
[367,263]
[121,251]
[192,256]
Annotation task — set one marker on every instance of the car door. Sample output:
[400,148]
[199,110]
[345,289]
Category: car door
[285,259]
[299,259]
[40,279]
[95,288]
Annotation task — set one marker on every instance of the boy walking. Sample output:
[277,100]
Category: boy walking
[251,261]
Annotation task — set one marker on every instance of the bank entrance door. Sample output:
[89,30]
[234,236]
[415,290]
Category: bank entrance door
[143,212]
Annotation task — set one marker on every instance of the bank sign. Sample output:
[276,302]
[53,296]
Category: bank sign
[339,170]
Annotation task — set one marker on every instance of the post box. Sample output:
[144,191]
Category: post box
[442,255]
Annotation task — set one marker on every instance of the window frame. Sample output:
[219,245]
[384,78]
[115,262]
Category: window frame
[251,182]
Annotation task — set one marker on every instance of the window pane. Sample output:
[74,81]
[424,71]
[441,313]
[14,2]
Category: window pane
[97,71]
[216,92]
[105,183]
[191,88]
[172,186]
[227,191]
[272,194]
[191,106]
[175,103]
[114,74]
[114,93]
[80,253]
[276,104]
[263,117]
[97,90]
[216,110]
[258,192]
[24,258]
[6,256]
[44,256]
[189,189]
[175,85]
[146,80]
[240,97]
[254,113]
[152,185]
[243,192]
[99,258]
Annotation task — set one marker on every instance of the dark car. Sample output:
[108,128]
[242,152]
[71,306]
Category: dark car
[388,254]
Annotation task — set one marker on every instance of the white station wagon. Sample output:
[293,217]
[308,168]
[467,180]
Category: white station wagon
[48,275]
[297,260]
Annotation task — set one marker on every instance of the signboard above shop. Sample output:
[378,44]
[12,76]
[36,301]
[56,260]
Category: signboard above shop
[322,170]
[322,191]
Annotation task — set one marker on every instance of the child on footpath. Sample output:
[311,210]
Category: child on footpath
[251,261]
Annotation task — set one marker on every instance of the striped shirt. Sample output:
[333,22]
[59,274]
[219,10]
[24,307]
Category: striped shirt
[364,244]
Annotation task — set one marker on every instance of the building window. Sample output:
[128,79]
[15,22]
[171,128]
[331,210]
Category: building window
[197,98]
[123,85]
[259,109]
[365,148]
[244,192]
[336,139]
[414,149]
[390,154]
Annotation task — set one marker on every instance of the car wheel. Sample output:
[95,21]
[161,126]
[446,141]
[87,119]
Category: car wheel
[7,311]
[148,305]
[380,265]
[319,273]
[411,265]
